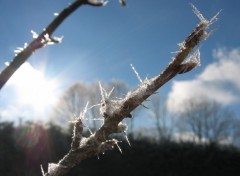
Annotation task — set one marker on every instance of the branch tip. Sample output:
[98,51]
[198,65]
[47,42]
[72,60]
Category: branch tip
[198,13]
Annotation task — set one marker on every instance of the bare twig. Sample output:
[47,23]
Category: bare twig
[114,111]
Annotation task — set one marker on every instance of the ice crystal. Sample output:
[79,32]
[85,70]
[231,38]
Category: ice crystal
[42,170]
[204,20]
[104,3]
[119,148]
[194,57]
[127,139]
[20,49]
[135,71]
[122,127]
[123,3]
[7,63]
[34,34]
[198,14]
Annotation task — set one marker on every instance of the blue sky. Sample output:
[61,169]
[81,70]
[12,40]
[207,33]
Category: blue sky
[101,43]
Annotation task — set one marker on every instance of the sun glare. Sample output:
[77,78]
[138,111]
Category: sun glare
[32,88]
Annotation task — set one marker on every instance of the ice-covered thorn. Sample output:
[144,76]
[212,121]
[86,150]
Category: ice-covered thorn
[174,52]
[18,50]
[135,71]
[85,110]
[34,34]
[198,13]
[110,93]
[7,63]
[102,91]
[127,139]
[146,79]
[25,45]
[214,18]
[42,170]
[104,3]
[118,147]
[57,39]
[123,3]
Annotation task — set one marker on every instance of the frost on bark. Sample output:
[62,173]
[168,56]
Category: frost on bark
[114,110]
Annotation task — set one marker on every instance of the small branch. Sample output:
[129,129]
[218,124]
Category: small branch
[37,43]
[77,133]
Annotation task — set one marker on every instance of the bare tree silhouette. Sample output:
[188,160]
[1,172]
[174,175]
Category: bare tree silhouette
[207,119]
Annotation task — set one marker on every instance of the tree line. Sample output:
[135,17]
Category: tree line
[25,147]
[202,121]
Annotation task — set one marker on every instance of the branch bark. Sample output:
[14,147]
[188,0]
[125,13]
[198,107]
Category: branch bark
[114,111]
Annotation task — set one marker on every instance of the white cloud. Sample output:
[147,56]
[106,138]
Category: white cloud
[226,69]
[219,81]
[28,94]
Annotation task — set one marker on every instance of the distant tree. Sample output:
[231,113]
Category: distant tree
[236,131]
[71,103]
[207,119]
[75,98]
[164,122]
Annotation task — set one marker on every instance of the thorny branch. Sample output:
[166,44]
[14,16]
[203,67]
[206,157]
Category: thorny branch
[114,111]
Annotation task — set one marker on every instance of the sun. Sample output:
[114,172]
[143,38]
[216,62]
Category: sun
[33,89]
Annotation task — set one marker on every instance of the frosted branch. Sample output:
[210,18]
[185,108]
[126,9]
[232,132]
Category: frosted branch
[39,41]
[112,111]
